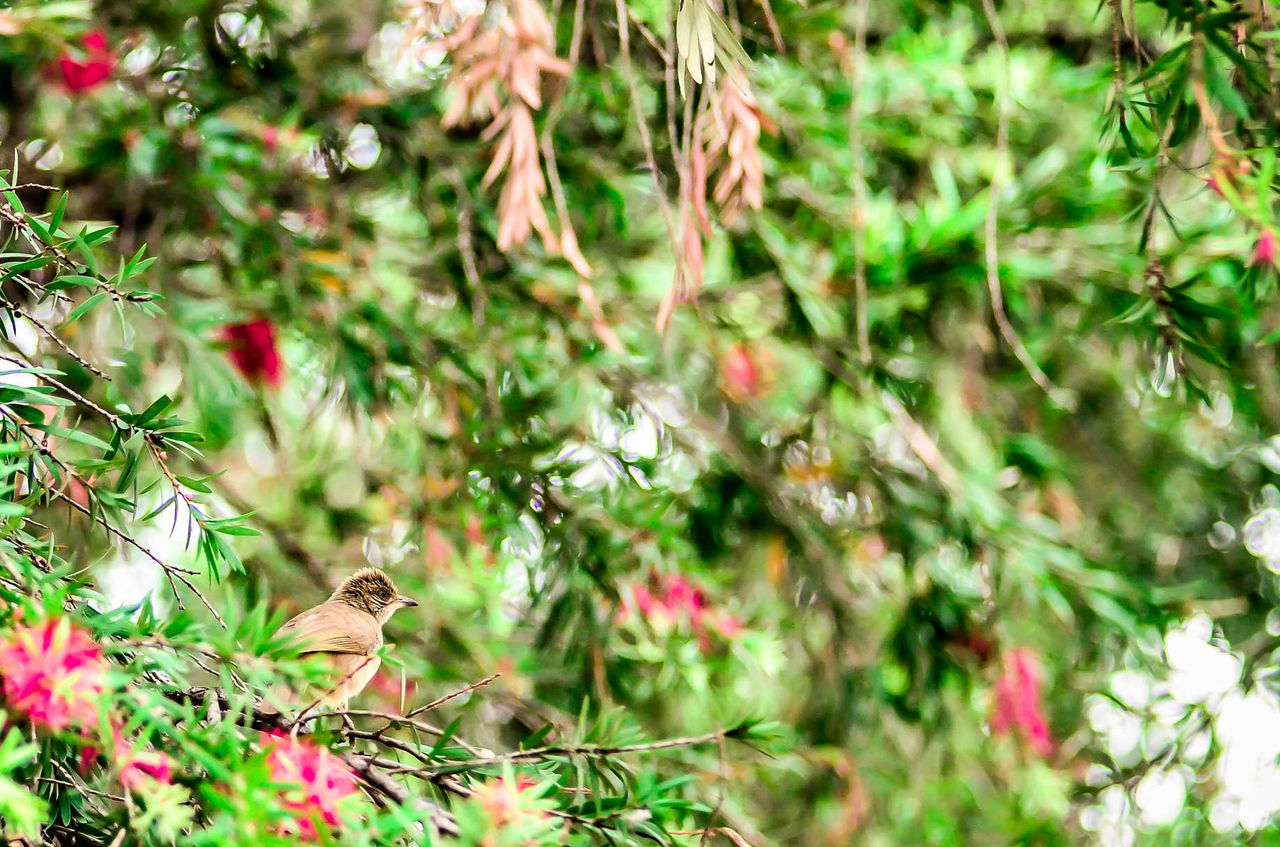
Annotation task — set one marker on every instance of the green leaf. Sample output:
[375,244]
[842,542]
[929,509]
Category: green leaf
[88,303]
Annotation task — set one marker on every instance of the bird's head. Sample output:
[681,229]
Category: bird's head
[373,591]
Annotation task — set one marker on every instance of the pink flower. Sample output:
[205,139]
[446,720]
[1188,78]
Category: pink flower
[253,351]
[726,625]
[54,673]
[1018,704]
[1213,184]
[317,782]
[647,605]
[137,768]
[673,599]
[79,76]
[500,798]
[1264,249]
[273,136]
[744,373]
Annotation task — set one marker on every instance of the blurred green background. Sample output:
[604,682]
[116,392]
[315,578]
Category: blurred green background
[921,396]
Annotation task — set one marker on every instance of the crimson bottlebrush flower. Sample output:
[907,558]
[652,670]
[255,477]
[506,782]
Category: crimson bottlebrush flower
[54,673]
[252,349]
[1264,249]
[317,782]
[1018,703]
[80,75]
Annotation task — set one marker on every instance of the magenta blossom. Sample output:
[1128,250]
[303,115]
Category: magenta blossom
[53,673]
[1264,249]
[317,782]
[1018,701]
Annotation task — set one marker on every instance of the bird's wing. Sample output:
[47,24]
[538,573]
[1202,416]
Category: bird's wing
[334,628]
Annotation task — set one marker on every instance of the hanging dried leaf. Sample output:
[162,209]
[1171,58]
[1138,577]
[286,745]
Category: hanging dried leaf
[702,41]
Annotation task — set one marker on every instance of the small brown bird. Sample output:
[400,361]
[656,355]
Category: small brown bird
[347,628]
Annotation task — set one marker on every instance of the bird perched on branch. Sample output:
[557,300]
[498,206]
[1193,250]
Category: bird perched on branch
[346,628]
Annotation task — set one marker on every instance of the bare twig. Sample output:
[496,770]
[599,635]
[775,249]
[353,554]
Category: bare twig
[364,768]
[595,750]
[991,253]
[859,183]
[52,336]
[648,36]
[772,22]
[637,110]
[1212,128]
[440,701]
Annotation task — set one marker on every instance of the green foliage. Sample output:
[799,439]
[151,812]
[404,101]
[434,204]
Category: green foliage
[988,371]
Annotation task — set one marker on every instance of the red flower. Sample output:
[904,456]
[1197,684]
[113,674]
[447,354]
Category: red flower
[54,673]
[78,76]
[253,351]
[1018,701]
[318,782]
[273,136]
[1264,249]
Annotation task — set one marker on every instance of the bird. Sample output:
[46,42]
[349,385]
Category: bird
[346,628]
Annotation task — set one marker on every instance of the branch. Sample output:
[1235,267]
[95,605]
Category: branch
[1011,337]
[379,774]
[596,751]
[384,784]
[434,704]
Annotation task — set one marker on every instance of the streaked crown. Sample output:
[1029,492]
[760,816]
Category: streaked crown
[369,589]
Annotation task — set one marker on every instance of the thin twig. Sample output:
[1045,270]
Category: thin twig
[594,750]
[648,36]
[991,255]
[298,721]
[1210,118]
[923,445]
[44,376]
[859,184]
[64,258]
[52,336]
[440,701]
[624,49]
[772,22]
[364,768]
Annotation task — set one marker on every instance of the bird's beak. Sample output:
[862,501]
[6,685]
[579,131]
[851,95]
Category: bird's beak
[407,601]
